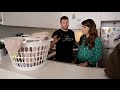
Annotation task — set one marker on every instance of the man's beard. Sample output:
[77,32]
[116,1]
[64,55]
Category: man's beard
[65,28]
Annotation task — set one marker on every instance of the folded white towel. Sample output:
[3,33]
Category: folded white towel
[42,35]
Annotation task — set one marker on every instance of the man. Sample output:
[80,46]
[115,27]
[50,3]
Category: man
[64,39]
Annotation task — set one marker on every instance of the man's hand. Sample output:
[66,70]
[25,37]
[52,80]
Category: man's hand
[55,39]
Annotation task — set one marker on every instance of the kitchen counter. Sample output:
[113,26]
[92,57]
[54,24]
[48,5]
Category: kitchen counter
[6,74]
[53,70]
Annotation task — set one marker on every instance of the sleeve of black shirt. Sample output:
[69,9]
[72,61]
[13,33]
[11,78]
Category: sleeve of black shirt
[74,37]
[56,33]
[74,41]
[53,34]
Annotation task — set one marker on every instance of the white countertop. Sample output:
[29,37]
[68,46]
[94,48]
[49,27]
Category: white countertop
[52,70]
[6,74]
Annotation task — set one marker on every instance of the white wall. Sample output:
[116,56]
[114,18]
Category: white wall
[80,16]
[32,19]
[52,19]
[96,16]
[59,15]
[117,15]
[0,16]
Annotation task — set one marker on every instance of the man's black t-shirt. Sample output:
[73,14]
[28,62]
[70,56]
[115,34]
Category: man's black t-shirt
[64,46]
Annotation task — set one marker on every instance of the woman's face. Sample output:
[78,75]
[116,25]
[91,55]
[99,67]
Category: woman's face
[85,29]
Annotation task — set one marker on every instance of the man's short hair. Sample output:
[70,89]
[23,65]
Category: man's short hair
[64,18]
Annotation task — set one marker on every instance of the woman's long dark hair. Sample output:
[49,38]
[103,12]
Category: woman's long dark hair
[92,33]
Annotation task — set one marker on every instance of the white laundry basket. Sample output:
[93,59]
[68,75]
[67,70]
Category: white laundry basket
[32,55]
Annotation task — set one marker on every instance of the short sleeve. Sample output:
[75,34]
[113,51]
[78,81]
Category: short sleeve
[74,37]
[55,33]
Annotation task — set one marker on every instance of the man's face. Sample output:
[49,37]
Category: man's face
[64,24]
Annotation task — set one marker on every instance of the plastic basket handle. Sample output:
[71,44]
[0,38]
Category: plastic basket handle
[25,35]
[33,39]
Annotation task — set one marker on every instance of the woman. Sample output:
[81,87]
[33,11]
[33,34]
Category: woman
[90,45]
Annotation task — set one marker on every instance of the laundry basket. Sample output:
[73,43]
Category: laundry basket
[32,55]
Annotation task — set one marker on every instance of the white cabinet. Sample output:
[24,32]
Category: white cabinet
[0,17]
[110,16]
[81,16]
[117,15]
[107,16]
[32,19]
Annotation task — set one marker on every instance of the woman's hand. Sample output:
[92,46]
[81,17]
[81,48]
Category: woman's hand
[83,64]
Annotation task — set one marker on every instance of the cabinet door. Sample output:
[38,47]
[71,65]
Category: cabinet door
[31,19]
[117,15]
[107,16]
[0,17]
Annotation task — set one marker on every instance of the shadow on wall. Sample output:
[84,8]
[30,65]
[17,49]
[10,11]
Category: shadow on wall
[78,34]
[11,31]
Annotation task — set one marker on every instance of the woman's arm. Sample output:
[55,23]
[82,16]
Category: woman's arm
[97,52]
